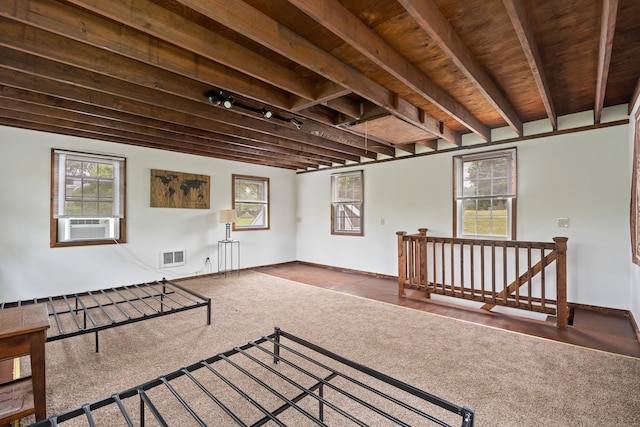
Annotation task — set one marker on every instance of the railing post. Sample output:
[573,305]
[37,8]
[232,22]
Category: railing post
[422,259]
[562,309]
[402,262]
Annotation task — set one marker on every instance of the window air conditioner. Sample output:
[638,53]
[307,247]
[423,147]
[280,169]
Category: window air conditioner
[90,228]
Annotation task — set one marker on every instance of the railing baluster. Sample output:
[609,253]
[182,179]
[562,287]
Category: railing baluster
[442,261]
[461,262]
[543,267]
[482,272]
[529,277]
[453,268]
[472,272]
[493,271]
[449,259]
[505,291]
[516,258]
[435,266]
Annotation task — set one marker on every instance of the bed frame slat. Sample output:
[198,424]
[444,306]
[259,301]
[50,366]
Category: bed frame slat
[263,380]
[123,297]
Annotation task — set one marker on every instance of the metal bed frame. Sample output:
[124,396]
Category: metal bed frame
[270,381]
[93,311]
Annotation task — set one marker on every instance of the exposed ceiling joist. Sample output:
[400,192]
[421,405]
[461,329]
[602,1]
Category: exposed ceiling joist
[332,15]
[427,14]
[607,30]
[518,16]
[347,81]
[242,18]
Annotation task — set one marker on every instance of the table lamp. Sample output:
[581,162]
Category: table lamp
[227,216]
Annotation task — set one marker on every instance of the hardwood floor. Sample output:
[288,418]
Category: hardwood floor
[611,333]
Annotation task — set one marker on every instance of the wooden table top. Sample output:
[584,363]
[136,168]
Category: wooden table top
[24,319]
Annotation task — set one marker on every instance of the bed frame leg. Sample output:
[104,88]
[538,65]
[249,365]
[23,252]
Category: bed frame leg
[97,346]
[276,345]
[467,416]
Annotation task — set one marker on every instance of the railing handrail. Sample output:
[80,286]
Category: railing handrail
[412,262]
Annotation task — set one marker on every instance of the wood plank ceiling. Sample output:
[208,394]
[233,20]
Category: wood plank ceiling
[346,81]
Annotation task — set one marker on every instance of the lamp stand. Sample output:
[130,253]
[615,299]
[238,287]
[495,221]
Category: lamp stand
[228,236]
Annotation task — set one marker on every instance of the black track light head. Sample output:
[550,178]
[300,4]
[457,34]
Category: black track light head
[219,97]
[296,123]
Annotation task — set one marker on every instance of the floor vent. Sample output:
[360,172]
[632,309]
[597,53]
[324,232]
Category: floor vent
[172,258]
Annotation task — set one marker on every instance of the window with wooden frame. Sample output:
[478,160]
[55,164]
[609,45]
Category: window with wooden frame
[87,199]
[251,202]
[347,201]
[635,193]
[485,195]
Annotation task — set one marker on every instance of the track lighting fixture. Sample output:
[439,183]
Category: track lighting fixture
[220,97]
[296,123]
[225,99]
[266,113]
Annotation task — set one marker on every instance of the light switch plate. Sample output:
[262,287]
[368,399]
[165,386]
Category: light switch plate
[563,222]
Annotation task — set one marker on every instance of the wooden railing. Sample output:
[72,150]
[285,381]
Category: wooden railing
[524,275]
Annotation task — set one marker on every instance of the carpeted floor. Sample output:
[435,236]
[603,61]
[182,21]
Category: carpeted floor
[509,379]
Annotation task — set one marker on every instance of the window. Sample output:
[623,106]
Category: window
[347,197]
[87,202]
[485,194]
[635,193]
[251,202]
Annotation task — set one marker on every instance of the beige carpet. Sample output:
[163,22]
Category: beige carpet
[508,378]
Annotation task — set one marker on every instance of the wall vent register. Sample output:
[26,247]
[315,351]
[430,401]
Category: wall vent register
[173,258]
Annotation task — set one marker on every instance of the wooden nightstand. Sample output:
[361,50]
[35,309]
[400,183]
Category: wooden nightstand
[23,331]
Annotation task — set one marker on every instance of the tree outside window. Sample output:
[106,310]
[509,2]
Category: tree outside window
[88,202]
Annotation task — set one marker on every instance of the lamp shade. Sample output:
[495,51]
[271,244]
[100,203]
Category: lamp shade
[227,216]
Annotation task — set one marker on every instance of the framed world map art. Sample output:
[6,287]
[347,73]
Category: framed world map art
[179,190]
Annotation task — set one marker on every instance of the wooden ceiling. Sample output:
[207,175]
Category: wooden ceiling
[347,81]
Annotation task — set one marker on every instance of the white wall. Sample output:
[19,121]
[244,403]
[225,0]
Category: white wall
[30,268]
[584,176]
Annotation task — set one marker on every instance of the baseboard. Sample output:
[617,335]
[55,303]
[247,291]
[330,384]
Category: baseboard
[604,310]
[635,325]
[349,270]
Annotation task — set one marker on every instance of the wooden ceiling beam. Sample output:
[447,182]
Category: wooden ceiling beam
[111,38]
[429,143]
[40,42]
[607,30]
[200,129]
[32,122]
[431,20]
[160,23]
[146,111]
[524,31]
[109,125]
[243,19]
[340,21]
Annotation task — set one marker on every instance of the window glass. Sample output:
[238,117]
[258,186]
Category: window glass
[251,202]
[87,200]
[485,191]
[347,203]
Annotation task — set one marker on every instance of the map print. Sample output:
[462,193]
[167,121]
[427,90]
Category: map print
[179,190]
